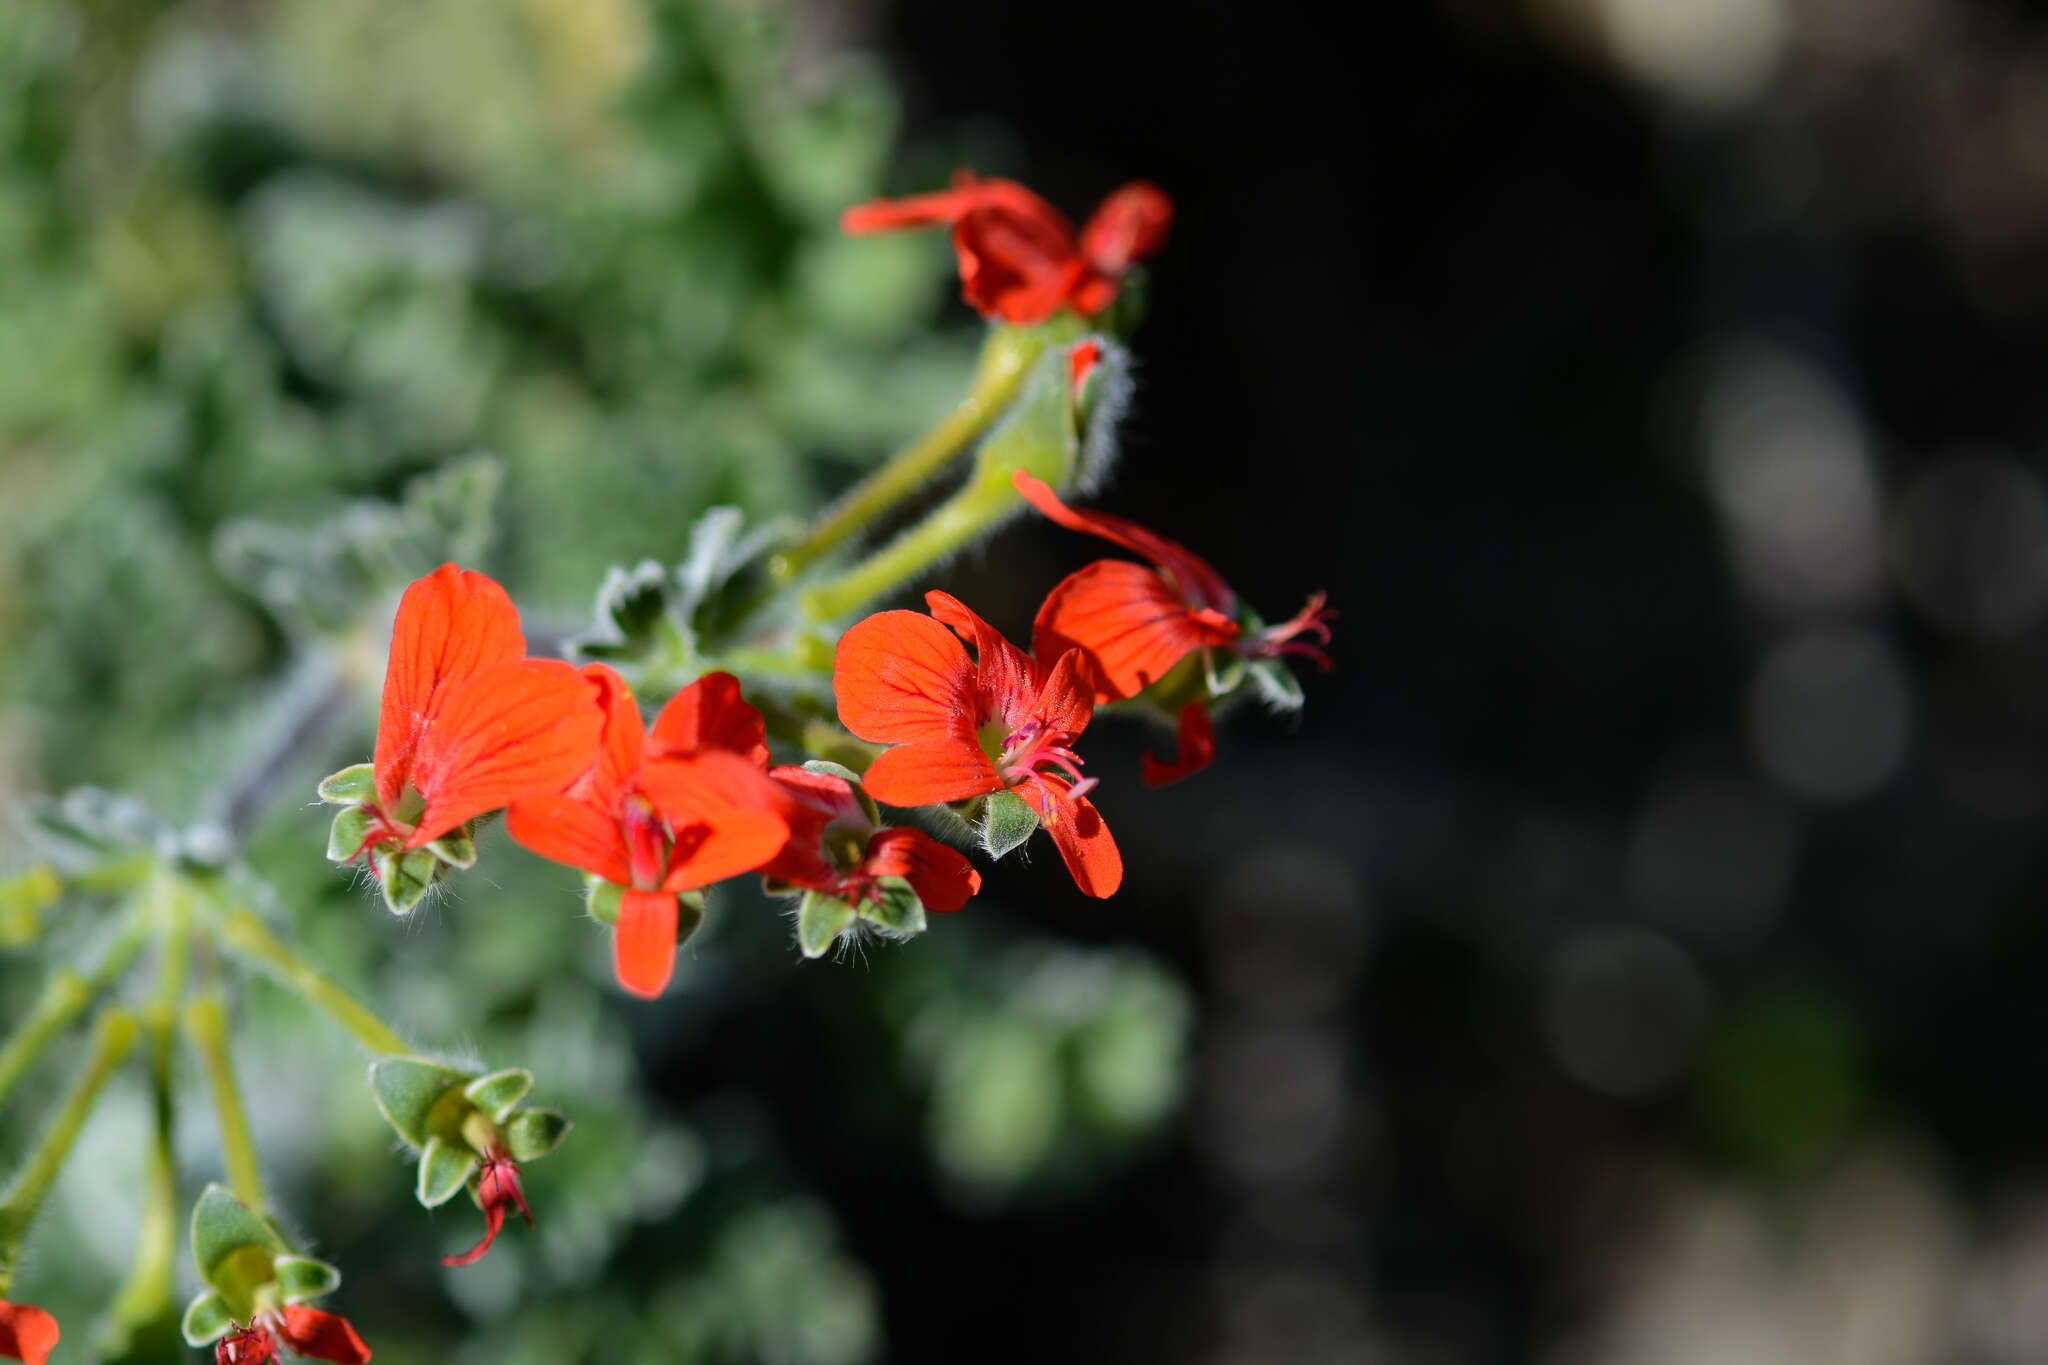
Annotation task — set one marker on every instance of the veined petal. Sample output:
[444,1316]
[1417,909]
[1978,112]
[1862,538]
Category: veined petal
[510,732]
[1005,677]
[1201,585]
[620,742]
[451,625]
[925,771]
[1127,226]
[900,676]
[1084,841]
[322,1336]
[942,877]
[1197,737]
[728,816]
[1067,700]
[1130,623]
[711,714]
[573,832]
[27,1333]
[644,941]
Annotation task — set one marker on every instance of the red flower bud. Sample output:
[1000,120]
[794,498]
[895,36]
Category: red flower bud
[497,1186]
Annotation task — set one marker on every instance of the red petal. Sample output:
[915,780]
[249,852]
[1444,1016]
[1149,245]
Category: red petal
[1200,584]
[1006,678]
[451,624]
[1016,266]
[572,832]
[323,1336]
[942,877]
[1130,622]
[511,732]
[26,1332]
[644,943]
[1067,700]
[901,676]
[732,810]
[621,741]
[494,1223]
[1084,842]
[1197,748]
[931,770]
[711,714]
[1128,226]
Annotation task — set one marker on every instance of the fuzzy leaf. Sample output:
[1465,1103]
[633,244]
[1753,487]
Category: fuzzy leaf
[407,1090]
[601,899]
[300,1278]
[818,922]
[897,910]
[1007,820]
[406,878]
[352,786]
[498,1092]
[207,1319]
[457,849]
[444,1169]
[533,1133]
[351,830]
[232,1244]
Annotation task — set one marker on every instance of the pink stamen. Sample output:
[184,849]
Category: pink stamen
[1277,640]
[1029,749]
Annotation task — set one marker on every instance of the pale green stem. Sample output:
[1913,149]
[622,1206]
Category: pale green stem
[979,505]
[1006,357]
[245,934]
[206,1024]
[111,1042]
[65,996]
[146,1297]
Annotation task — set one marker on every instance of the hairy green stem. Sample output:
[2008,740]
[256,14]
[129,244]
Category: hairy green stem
[65,996]
[978,506]
[146,1297]
[111,1042]
[206,1024]
[1006,357]
[246,935]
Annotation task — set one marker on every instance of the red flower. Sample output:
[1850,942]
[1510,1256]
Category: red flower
[26,1332]
[661,814]
[1135,622]
[307,1331]
[497,1187]
[964,727]
[469,723]
[1019,257]
[834,848]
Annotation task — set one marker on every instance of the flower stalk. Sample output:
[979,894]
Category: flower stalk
[65,997]
[245,934]
[206,1025]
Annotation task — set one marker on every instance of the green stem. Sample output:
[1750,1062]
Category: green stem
[954,523]
[245,934]
[206,1024]
[1006,357]
[111,1042]
[146,1297]
[65,996]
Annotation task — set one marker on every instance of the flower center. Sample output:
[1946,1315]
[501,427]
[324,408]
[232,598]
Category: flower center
[647,842]
[1272,641]
[1032,747]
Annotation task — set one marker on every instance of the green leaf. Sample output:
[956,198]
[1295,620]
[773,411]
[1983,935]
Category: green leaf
[1007,820]
[351,830]
[498,1092]
[533,1133]
[232,1244]
[207,1319]
[819,920]
[601,899]
[445,1168]
[897,910]
[457,848]
[407,1090]
[302,1278]
[353,786]
[406,878]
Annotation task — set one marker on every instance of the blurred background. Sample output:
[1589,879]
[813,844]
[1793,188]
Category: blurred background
[1628,959]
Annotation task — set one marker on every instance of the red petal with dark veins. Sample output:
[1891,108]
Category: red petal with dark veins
[1197,735]
[323,1336]
[711,714]
[1067,700]
[26,1332]
[1084,842]
[644,941]
[731,809]
[900,676]
[510,732]
[451,625]
[942,877]
[572,832]
[1006,679]
[1201,585]
[1129,621]
[927,771]
[619,743]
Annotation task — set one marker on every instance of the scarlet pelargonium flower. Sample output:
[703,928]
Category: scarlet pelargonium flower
[662,813]
[966,726]
[1134,622]
[307,1331]
[1020,259]
[835,848]
[26,1332]
[469,723]
[497,1189]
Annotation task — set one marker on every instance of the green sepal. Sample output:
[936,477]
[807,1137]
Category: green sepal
[819,920]
[457,848]
[1006,821]
[406,877]
[1223,670]
[1276,685]
[407,1090]
[896,909]
[349,833]
[532,1133]
[234,1246]
[601,899]
[444,1169]
[689,915]
[852,779]
[303,1278]
[497,1093]
[23,898]
[206,1319]
[352,786]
